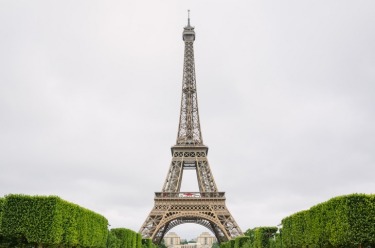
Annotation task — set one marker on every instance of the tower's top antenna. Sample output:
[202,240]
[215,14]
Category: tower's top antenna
[188,17]
[188,34]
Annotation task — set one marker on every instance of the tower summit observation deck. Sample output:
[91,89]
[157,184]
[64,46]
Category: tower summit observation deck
[173,207]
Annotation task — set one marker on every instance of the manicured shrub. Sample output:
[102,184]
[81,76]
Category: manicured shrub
[251,234]
[51,221]
[1,211]
[138,240]
[260,237]
[124,238]
[344,221]
[113,241]
[1,206]
[241,241]
[223,245]
[228,244]
[231,243]
[276,242]
[147,243]
[35,218]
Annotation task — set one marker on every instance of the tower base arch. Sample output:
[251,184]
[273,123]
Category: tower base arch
[171,210]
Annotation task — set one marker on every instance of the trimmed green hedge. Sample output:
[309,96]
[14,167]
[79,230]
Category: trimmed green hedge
[2,238]
[261,237]
[49,220]
[251,234]
[139,240]
[2,200]
[124,238]
[147,243]
[113,241]
[1,206]
[231,242]
[223,245]
[344,221]
[276,242]
[241,241]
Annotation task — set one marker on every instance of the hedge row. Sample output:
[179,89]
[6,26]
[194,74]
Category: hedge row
[259,237]
[124,238]
[344,221]
[229,244]
[44,221]
[1,209]
[241,241]
[48,221]
[147,243]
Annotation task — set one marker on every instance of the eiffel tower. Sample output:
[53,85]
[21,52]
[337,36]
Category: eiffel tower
[206,207]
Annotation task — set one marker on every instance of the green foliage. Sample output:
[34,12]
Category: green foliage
[113,241]
[184,242]
[223,245]
[124,238]
[227,244]
[139,240]
[147,243]
[241,241]
[231,242]
[251,234]
[276,242]
[215,245]
[50,221]
[130,236]
[1,208]
[117,238]
[344,221]
[32,218]
[1,214]
[260,237]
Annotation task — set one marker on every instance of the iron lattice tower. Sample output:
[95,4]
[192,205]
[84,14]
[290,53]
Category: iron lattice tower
[206,207]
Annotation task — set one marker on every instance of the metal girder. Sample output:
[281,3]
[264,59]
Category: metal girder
[187,158]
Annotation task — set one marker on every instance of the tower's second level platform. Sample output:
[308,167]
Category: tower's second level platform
[189,195]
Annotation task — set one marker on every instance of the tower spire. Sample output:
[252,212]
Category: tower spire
[189,131]
[188,17]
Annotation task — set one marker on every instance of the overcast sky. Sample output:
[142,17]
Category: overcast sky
[90,94]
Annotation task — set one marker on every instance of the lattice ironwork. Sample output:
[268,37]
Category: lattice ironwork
[206,207]
[189,130]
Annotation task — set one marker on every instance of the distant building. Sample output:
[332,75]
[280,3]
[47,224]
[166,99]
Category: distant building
[172,239]
[205,240]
